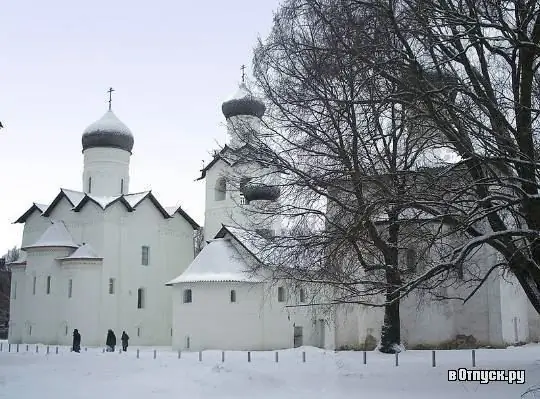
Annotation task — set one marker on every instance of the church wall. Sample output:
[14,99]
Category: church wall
[107,167]
[17,305]
[514,310]
[34,227]
[42,309]
[216,212]
[534,323]
[171,250]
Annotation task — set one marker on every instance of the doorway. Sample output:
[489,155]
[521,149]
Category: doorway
[298,336]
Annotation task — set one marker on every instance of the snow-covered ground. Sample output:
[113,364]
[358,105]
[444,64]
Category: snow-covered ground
[325,374]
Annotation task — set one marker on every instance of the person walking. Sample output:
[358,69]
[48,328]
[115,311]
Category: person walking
[124,339]
[111,341]
[76,347]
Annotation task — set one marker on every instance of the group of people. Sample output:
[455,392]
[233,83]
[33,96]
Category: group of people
[110,343]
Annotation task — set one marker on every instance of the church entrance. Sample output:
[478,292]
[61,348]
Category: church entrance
[298,336]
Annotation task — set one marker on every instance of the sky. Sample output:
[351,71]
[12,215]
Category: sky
[171,63]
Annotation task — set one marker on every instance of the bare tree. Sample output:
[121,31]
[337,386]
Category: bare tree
[346,152]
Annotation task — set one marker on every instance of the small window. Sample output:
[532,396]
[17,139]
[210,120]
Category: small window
[138,331]
[48,285]
[187,296]
[145,255]
[34,285]
[140,298]
[302,295]
[30,329]
[70,288]
[281,294]
[14,296]
[221,189]
[89,185]
[66,330]
[187,342]
[111,286]
[233,296]
[121,186]
[411,259]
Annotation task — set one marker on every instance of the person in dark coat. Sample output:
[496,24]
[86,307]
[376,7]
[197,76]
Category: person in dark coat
[124,339]
[111,341]
[76,341]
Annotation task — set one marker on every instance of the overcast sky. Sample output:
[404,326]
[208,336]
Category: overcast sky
[172,64]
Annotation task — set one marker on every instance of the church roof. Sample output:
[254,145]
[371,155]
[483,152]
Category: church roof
[108,131]
[243,102]
[34,208]
[56,235]
[85,251]
[79,199]
[21,260]
[219,261]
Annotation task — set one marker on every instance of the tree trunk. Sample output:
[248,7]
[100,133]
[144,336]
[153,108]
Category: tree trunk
[391,331]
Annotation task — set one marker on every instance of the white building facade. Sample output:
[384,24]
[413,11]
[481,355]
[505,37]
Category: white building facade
[98,259]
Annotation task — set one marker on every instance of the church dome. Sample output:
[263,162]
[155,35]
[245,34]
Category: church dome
[108,131]
[243,103]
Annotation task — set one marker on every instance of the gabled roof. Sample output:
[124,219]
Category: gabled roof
[219,261]
[84,252]
[242,237]
[79,199]
[219,155]
[34,208]
[172,210]
[57,235]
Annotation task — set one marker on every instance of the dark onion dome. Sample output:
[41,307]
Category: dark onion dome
[108,131]
[243,103]
[260,192]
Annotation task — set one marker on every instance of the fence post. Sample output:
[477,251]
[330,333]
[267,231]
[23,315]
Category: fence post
[154,353]
[86,349]
[47,349]
[17,348]
[303,357]
[1,346]
[222,356]
[103,350]
[9,347]
[137,353]
[179,354]
[473,358]
[27,347]
[397,359]
[277,357]
[249,356]
[433,364]
[57,350]
[200,356]
[365,357]
[37,349]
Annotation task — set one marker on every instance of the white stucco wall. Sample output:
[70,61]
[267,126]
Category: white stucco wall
[107,167]
[118,237]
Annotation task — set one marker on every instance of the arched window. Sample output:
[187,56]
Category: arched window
[140,298]
[89,185]
[233,296]
[281,294]
[187,296]
[411,259]
[302,295]
[221,189]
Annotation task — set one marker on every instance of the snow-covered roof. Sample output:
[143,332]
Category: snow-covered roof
[57,235]
[219,261]
[79,199]
[85,251]
[108,131]
[41,207]
[21,260]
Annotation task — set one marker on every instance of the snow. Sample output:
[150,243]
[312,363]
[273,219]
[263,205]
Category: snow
[109,123]
[135,198]
[242,92]
[75,197]
[171,210]
[325,374]
[104,201]
[21,259]
[56,235]
[41,207]
[218,261]
[85,251]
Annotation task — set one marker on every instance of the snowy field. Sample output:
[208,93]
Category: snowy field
[325,374]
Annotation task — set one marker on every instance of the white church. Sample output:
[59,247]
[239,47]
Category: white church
[105,258]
